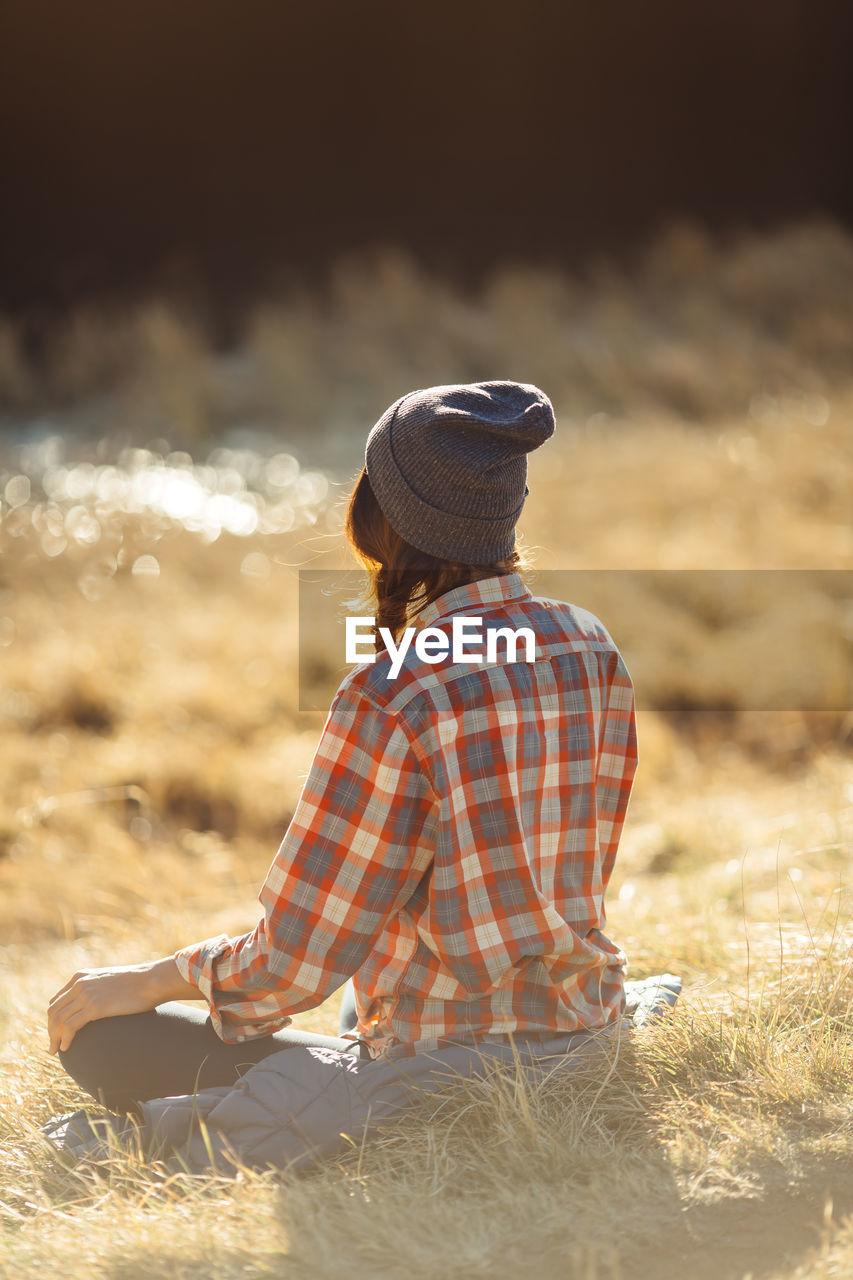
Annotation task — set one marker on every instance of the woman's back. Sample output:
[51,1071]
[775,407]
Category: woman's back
[525,773]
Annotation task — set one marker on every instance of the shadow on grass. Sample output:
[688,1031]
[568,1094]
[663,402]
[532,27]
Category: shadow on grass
[737,1237]
[567,1179]
[751,1235]
[570,1182]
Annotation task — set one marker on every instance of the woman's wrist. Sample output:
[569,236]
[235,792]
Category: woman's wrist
[167,983]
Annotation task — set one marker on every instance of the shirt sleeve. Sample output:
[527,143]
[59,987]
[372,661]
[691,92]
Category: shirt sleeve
[616,763]
[352,856]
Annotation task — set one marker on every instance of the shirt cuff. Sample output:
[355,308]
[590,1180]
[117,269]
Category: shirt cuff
[195,962]
[233,1019]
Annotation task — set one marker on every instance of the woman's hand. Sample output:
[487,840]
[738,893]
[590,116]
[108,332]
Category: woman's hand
[103,993]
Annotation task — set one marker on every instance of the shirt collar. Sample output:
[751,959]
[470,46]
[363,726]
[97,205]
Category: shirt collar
[485,593]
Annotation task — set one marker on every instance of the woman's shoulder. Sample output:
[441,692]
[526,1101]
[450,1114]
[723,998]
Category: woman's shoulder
[368,685]
[570,622]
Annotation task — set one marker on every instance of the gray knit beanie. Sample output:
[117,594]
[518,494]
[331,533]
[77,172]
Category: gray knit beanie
[448,465]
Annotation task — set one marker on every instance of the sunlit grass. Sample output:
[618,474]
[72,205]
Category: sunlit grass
[151,751]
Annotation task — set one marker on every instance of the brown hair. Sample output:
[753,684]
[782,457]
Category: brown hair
[402,578]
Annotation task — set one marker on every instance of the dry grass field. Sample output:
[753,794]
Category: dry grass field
[151,750]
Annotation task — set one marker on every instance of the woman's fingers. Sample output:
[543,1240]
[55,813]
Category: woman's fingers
[62,990]
[97,993]
[75,1004]
[59,1011]
[72,1024]
[66,1026]
[67,995]
[56,1019]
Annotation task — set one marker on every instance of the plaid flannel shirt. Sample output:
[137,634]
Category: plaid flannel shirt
[451,846]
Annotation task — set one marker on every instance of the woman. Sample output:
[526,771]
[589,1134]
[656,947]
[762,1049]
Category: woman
[453,842]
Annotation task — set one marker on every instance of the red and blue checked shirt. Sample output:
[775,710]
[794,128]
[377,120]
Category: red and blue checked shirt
[451,846]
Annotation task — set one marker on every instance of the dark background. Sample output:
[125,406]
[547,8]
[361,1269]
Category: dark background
[232,147]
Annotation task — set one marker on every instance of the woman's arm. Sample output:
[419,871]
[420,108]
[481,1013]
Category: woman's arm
[103,993]
[352,855]
[356,848]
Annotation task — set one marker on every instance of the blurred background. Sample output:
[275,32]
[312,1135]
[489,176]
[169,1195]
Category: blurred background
[234,150]
[232,234]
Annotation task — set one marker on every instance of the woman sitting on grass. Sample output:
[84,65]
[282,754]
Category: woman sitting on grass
[453,842]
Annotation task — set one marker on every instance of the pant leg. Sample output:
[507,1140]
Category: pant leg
[299,1108]
[348,1020]
[170,1050]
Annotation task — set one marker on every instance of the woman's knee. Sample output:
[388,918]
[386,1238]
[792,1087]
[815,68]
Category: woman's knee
[84,1059]
[101,1054]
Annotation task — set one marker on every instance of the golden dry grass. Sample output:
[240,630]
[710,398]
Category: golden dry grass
[151,750]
